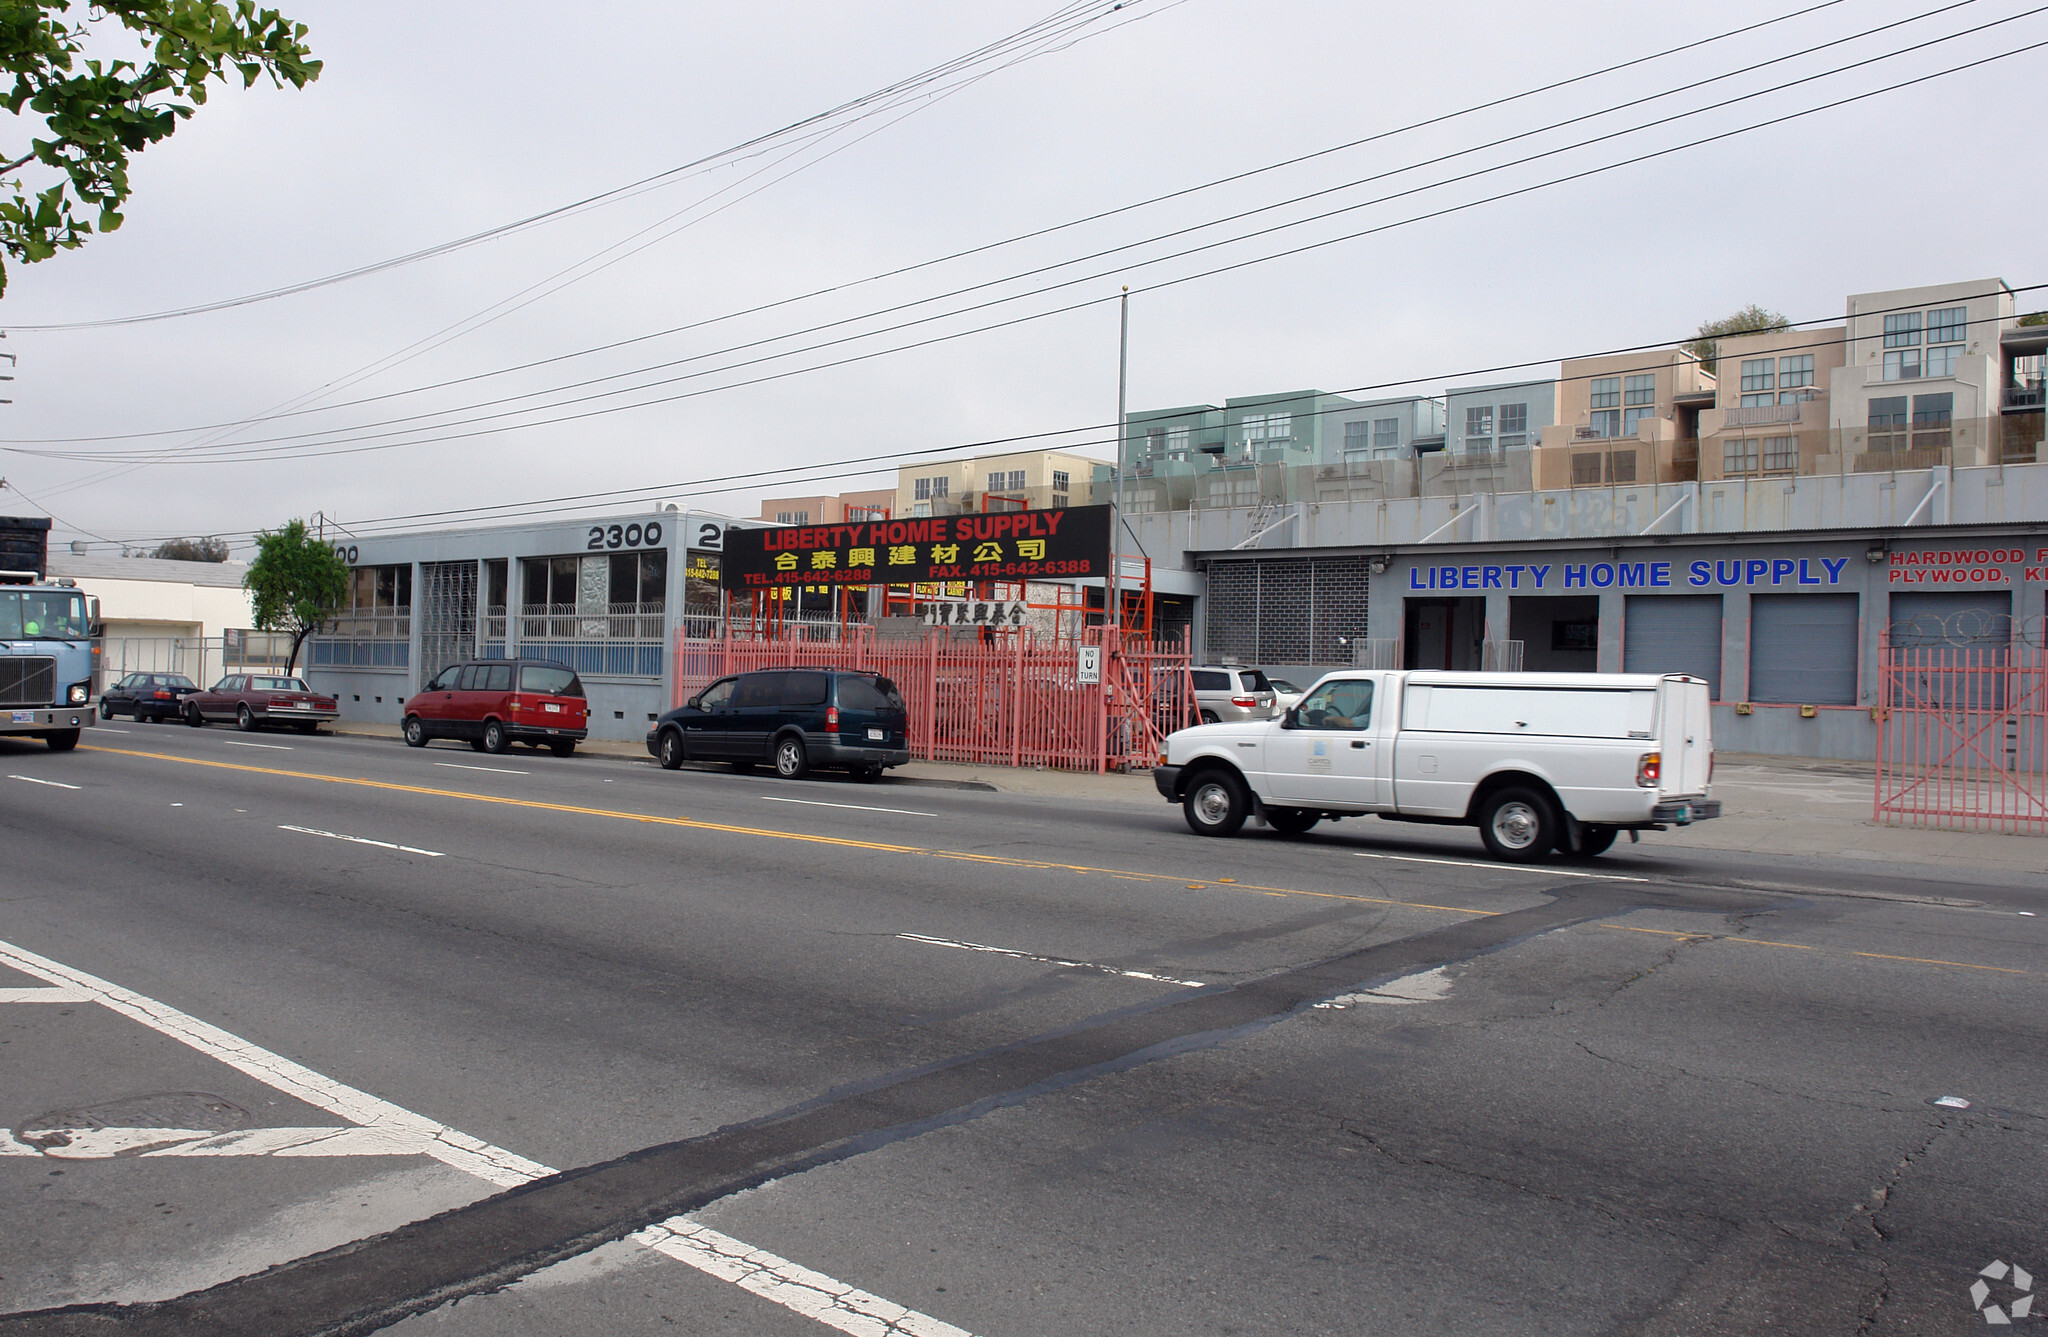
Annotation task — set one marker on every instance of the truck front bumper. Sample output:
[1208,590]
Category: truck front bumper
[44,719]
[1166,779]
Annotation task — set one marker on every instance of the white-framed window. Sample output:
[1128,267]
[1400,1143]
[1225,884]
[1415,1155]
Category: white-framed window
[1794,371]
[1479,421]
[921,489]
[1155,440]
[1738,455]
[1606,392]
[792,517]
[1514,426]
[1268,427]
[1016,480]
[1177,439]
[1781,452]
[1059,480]
[995,481]
[1357,437]
[1641,390]
[1758,373]
[942,486]
[1386,432]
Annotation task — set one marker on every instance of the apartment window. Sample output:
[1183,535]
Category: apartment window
[1947,325]
[921,489]
[792,517]
[1781,452]
[1155,440]
[1621,467]
[1932,417]
[1479,430]
[1902,330]
[1016,480]
[1888,422]
[1357,436]
[1738,456]
[1604,422]
[1630,418]
[1941,361]
[1607,392]
[1268,427]
[1758,401]
[995,481]
[1641,390]
[1177,442]
[1059,480]
[1386,431]
[1902,364]
[941,486]
[1757,374]
[1585,468]
[1514,426]
[1793,372]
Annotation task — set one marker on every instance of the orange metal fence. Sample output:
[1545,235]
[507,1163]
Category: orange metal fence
[1962,732]
[1012,701]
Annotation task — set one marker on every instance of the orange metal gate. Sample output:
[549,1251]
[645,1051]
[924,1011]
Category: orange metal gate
[1014,701]
[1962,728]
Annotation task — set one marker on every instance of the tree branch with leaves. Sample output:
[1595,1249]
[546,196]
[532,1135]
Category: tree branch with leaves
[298,583]
[99,111]
[1752,319]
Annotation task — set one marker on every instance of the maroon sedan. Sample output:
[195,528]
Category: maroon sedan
[253,700]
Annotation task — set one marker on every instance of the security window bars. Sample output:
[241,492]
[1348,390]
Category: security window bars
[1641,390]
[1738,456]
[1606,392]
[1902,330]
[1757,374]
[1793,372]
[1586,468]
[1621,466]
[1781,453]
[1947,325]
[1289,610]
[1386,431]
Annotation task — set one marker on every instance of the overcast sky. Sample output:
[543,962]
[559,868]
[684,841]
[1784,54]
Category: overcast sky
[432,122]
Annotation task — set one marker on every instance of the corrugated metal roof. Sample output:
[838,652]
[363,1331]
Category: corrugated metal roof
[88,567]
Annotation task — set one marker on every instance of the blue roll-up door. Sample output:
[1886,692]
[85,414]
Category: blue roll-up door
[1674,633]
[1802,649]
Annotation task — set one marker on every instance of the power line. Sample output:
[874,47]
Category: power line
[1099,8]
[956,292]
[843,469]
[316,449]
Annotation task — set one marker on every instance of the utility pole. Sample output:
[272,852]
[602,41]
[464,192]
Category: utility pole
[1116,524]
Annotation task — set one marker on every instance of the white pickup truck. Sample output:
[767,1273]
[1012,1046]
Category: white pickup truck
[1537,761]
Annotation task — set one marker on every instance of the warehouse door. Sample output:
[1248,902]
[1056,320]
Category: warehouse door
[1802,649]
[1674,633]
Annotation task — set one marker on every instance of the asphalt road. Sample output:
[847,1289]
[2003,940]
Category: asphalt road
[322,1035]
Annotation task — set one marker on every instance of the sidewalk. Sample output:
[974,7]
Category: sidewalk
[1770,805]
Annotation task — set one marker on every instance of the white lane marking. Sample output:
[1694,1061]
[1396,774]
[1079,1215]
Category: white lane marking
[809,1293]
[362,840]
[857,807]
[44,995]
[54,784]
[1425,986]
[92,1144]
[268,747]
[796,1288]
[494,770]
[1051,960]
[104,729]
[1499,867]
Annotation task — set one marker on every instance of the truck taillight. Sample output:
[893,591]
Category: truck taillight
[517,704]
[831,719]
[1650,769]
[1246,701]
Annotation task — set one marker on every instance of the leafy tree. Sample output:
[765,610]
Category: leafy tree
[101,110]
[2035,318]
[192,550]
[1750,320]
[299,583]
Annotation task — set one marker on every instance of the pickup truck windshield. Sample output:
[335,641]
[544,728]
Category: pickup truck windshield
[49,615]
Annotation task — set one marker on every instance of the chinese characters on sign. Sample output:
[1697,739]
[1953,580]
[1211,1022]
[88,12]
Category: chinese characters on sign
[975,613]
[1066,544]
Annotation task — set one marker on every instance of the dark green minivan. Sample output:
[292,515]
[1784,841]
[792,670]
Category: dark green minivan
[793,719]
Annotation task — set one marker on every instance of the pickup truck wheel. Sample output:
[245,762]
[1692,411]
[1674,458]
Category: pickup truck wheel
[1216,804]
[415,732]
[1291,821]
[1593,841]
[1518,825]
[670,749]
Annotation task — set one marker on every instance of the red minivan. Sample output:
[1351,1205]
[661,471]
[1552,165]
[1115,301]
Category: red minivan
[494,703]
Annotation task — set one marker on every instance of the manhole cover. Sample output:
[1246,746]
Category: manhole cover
[180,1115]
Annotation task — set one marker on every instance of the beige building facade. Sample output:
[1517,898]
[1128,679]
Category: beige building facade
[1625,418]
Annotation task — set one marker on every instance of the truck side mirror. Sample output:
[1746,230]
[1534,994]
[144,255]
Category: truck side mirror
[1292,719]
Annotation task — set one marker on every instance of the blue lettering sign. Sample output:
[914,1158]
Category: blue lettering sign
[1781,568]
[1493,577]
[1834,566]
[1539,574]
[1603,574]
[1634,575]
[1574,577]
[1702,574]
[1660,573]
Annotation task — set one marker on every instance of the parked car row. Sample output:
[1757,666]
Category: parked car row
[250,701]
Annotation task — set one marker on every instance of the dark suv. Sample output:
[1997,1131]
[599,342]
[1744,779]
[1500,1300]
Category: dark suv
[793,718]
[494,703]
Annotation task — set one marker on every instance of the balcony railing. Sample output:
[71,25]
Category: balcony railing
[2023,396]
[1761,415]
